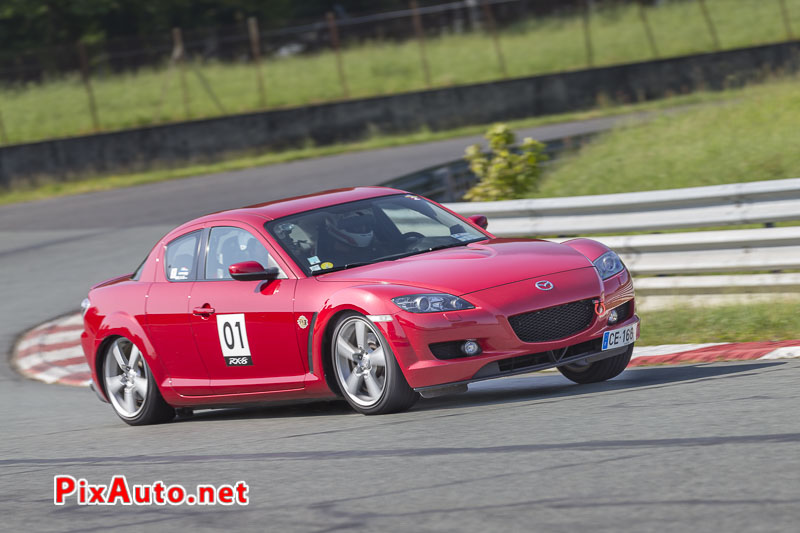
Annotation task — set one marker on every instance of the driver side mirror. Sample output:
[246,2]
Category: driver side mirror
[479,220]
[251,271]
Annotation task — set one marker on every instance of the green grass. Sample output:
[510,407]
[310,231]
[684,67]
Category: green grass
[753,137]
[59,107]
[774,321]
[720,137]
[45,188]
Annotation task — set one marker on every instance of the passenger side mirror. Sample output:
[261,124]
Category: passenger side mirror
[251,271]
[480,221]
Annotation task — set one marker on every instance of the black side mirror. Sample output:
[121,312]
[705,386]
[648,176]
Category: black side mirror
[252,271]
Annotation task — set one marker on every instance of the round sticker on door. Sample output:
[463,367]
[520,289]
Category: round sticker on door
[302,322]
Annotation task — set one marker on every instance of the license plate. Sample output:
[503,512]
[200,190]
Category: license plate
[619,337]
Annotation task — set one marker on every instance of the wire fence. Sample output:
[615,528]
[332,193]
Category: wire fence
[216,71]
[235,43]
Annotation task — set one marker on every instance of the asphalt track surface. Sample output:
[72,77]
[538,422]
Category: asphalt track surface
[686,448]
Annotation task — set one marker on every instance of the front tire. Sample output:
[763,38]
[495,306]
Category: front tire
[366,370]
[131,387]
[602,370]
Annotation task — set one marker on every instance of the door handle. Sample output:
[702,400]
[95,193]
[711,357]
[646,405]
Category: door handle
[203,311]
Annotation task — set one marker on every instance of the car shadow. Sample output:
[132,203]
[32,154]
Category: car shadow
[287,409]
[543,386]
[513,389]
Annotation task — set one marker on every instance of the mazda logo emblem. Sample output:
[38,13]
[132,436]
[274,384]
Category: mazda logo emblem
[544,285]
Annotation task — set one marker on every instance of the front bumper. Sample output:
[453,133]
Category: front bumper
[524,364]
[503,353]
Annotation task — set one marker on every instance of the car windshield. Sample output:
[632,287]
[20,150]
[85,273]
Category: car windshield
[368,231]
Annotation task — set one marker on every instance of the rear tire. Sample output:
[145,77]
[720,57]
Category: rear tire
[131,387]
[599,370]
[366,370]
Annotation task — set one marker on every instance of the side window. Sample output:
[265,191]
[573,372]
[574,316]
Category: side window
[179,260]
[229,245]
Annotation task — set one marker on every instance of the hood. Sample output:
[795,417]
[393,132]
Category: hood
[470,268]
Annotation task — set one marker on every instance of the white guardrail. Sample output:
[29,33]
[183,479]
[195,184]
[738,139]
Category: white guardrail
[683,258]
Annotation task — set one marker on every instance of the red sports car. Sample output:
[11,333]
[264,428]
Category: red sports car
[369,293]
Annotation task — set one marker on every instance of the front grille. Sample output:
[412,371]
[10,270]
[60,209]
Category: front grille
[550,357]
[553,323]
[524,361]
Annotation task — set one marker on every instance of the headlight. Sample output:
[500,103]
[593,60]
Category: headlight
[85,306]
[431,303]
[608,264]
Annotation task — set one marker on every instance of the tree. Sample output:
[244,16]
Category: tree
[504,173]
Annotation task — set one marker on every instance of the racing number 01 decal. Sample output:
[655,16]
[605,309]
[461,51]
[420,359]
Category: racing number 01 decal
[233,340]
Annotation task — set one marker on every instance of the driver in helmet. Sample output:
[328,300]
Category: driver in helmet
[351,236]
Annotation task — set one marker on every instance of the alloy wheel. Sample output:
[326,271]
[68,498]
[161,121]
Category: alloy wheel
[360,361]
[126,377]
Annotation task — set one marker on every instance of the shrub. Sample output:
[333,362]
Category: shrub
[504,173]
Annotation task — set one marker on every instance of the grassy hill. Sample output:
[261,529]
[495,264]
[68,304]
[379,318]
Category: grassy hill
[754,136]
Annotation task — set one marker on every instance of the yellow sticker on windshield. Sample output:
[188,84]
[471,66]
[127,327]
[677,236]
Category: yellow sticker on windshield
[326,265]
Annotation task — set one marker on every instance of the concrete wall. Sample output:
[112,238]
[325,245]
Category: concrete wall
[437,109]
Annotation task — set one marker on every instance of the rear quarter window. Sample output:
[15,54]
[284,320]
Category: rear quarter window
[180,258]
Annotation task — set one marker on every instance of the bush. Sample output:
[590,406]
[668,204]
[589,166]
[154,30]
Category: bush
[505,173]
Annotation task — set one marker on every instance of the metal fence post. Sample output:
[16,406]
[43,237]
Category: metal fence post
[334,31]
[88,84]
[587,33]
[786,20]
[710,23]
[255,47]
[648,30]
[178,53]
[417,21]
[501,60]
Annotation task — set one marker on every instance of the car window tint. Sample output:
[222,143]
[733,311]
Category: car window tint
[179,260]
[228,245]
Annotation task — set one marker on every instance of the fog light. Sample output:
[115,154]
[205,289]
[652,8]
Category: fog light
[613,316]
[471,348]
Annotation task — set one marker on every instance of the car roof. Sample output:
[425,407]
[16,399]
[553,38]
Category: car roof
[299,204]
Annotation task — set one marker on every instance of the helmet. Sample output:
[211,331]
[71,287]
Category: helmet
[354,229]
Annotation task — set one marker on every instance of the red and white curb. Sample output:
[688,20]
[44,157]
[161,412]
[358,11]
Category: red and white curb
[52,353]
[672,354]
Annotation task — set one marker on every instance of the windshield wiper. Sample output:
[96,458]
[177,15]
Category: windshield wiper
[342,267]
[452,245]
[359,264]
[442,247]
